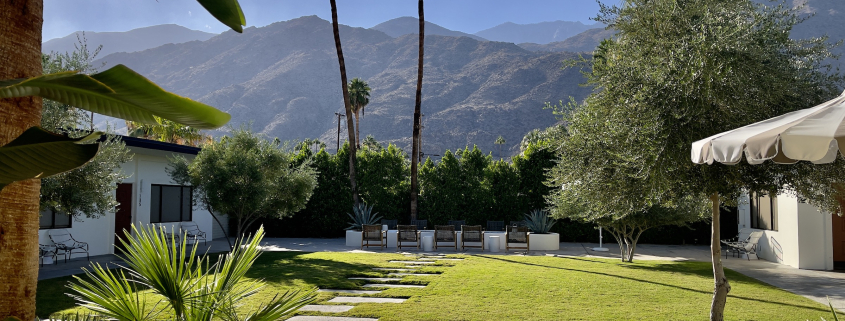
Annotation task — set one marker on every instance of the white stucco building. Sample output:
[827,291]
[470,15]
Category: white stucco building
[147,196]
[794,233]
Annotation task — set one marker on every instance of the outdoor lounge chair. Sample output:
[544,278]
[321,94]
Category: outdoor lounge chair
[192,232]
[67,244]
[47,251]
[750,247]
[517,235]
[495,226]
[445,233]
[457,224]
[391,224]
[408,233]
[472,233]
[420,224]
[373,233]
[732,245]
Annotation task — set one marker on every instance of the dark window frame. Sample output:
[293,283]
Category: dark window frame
[53,225]
[182,200]
[764,221]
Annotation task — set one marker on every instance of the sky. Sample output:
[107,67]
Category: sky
[63,17]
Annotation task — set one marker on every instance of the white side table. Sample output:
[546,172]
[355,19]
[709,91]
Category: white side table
[494,243]
[428,243]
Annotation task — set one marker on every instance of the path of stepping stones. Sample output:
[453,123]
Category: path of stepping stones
[394,275]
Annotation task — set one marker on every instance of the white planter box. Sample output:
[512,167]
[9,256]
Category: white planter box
[544,242]
[353,238]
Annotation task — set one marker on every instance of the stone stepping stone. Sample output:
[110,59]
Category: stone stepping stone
[358,299]
[326,308]
[412,286]
[412,262]
[440,259]
[378,279]
[389,269]
[411,274]
[324,318]
[350,291]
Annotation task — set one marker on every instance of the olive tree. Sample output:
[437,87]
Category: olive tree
[246,177]
[676,72]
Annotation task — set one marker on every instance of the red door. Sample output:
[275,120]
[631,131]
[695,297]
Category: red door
[123,215]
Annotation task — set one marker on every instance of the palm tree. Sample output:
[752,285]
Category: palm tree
[359,97]
[415,150]
[349,124]
[500,141]
[20,29]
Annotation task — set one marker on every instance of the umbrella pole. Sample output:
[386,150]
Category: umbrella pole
[721,285]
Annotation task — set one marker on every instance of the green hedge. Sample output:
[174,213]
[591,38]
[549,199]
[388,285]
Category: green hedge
[464,185]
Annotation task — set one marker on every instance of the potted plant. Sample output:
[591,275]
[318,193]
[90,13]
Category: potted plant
[361,215]
[540,223]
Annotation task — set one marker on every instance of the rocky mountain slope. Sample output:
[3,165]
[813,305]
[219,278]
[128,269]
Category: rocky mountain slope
[283,79]
[128,41]
[409,25]
[586,41]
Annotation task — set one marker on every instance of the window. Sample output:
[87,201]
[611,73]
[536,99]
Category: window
[764,212]
[170,203]
[51,220]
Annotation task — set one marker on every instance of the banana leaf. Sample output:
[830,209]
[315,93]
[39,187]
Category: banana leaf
[117,92]
[37,154]
[226,11]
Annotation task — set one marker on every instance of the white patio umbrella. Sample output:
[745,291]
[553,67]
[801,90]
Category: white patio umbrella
[814,134]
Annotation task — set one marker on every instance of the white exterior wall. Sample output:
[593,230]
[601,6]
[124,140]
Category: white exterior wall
[147,167]
[803,239]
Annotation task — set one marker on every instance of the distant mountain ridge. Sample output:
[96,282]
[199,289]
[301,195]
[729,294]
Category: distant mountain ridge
[128,41]
[410,25]
[540,33]
[284,80]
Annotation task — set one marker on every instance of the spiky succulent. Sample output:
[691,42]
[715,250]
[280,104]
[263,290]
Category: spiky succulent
[539,221]
[363,215]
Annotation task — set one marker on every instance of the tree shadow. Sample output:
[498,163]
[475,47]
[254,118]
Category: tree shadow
[690,268]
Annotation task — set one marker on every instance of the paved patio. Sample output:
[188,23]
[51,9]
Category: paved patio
[815,285]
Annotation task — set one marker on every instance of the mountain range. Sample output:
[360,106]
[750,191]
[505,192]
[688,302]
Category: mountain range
[283,79]
[127,41]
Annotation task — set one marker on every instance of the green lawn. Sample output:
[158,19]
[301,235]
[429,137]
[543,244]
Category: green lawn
[487,287]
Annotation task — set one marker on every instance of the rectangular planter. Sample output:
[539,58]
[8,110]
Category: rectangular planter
[353,238]
[544,242]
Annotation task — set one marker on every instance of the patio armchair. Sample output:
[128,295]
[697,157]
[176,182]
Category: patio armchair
[420,224]
[47,251]
[408,233]
[67,244]
[495,226]
[474,234]
[391,224]
[732,245]
[373,233]
[192,231]
[457,224]
[445,233]
[749,247]
[517,235]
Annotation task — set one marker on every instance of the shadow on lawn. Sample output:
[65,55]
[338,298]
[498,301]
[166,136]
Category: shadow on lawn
[692,270]
[291,269]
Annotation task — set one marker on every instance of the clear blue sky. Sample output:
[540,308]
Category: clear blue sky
[62,17]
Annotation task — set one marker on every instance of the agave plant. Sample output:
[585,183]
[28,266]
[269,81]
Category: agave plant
[539,221]
[187,286]
[363,216]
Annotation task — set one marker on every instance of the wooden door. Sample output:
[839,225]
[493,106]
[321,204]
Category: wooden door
[123,215]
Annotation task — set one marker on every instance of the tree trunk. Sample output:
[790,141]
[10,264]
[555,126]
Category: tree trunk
[20,57]
[721,286]
[350,127]
[415,150]
[222,228]
[357,131]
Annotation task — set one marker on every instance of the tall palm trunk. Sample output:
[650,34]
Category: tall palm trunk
[415,150]
[349,125]
[20,57]
[721,285]
[357,131]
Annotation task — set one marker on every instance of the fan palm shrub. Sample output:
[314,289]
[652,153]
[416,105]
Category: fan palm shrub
[188,286]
